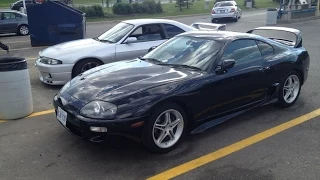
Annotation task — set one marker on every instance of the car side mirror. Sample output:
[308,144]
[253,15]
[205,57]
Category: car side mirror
[224,65]
[131,40]
[152,48]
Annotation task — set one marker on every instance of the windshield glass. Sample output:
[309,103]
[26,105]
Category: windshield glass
[183,50]
[116,33]
[223,4]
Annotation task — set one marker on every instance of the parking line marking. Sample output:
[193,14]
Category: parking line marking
[41,113]
[13,42]
[35,114]
[193,164]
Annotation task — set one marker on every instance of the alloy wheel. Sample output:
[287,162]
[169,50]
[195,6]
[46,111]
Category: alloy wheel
[89,65]
[24,30]
[168,128]
[291,88]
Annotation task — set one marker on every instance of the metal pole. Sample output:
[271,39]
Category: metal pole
[318,6]
[24,4]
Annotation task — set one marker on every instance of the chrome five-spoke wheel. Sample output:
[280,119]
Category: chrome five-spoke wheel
[168,128]
[165,128]
[290,89]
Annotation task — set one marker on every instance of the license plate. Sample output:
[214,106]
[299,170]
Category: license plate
[221,11]
[62,116]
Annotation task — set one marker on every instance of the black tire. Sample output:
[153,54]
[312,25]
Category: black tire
[80,65]
[148,139]
[22,33]
[281,100]
[213,20]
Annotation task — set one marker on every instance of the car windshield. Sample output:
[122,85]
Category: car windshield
[195,52]
[223,4]
[116,33]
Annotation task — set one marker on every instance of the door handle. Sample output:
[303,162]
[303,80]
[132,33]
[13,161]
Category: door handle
[264,69]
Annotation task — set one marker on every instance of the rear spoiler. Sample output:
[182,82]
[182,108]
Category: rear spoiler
[296,32]
[209,26]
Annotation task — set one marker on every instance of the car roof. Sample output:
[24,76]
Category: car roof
[138,22]
[9,10]
[220,35]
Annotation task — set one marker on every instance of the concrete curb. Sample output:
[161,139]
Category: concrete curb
[297,20]
[166,17]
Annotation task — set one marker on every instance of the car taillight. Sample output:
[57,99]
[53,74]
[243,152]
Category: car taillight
[232,10]
[212,12]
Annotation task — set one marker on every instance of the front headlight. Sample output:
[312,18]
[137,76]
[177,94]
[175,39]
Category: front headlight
[99,110]
[50,61]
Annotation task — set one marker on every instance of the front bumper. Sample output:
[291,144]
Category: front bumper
[80,126]
[226,15]
[54,74]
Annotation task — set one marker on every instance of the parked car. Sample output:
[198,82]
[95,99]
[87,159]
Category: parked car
[19,4]
[225,10]
[128,39]
[189,83]
[13,22]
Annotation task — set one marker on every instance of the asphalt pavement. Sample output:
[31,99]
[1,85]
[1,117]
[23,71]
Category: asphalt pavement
[40,148]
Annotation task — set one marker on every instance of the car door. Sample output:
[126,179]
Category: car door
[244,83]
[146,36]
[2,24]
[9,22]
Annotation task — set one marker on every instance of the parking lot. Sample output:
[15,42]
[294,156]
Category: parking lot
[39,147]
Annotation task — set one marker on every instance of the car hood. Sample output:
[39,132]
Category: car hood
[76,46]
[120,79]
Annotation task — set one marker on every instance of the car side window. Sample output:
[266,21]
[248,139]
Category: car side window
[266,49]
[152,32]
[244,52]
[173,30]
[8,15]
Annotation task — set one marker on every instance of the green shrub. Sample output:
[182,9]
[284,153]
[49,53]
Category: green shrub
[147,7]
[122,8]
[92,11]
[137,8]
[159,8]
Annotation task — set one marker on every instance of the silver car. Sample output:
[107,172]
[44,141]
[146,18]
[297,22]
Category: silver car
[12,21]
[128,39]
[225,9]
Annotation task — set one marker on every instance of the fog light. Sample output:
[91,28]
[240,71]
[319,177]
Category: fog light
[98,129]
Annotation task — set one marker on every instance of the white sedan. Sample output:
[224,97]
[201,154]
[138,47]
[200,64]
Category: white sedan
[129,39]
[225,10]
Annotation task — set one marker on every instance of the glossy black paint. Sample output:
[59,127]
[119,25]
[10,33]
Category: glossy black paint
[209,98]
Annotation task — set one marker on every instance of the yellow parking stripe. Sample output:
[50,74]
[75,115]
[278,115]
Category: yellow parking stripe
[193,164]
[41,113]
[35,114]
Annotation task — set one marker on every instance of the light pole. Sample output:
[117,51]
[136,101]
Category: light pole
[24,4]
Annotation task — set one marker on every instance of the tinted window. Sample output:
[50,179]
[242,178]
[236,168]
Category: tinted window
[224,4]
[244,52]
[266,49]
[148,33]
[172,30]
[8,15]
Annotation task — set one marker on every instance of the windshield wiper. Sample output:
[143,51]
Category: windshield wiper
[151,59]
[102,40]
[184,66]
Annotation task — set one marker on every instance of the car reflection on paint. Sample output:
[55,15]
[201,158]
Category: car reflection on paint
[191,82]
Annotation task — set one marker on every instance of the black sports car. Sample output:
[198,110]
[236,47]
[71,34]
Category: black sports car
[189,83]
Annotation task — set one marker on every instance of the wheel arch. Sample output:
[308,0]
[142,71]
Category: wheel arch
[187,110]
[22,24]
[83,59]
